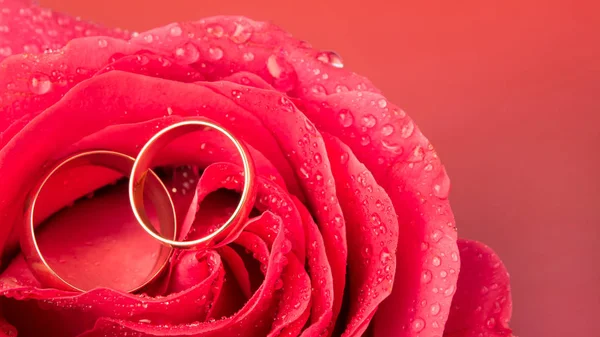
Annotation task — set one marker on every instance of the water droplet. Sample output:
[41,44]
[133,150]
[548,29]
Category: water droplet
[149,38]
[441,188]
[40,84]
[454,256]
[338,220]
[176,30]
[385,256]
[369,121]
[426,276]
[417,155]
[309,126]
[304,172]
[248,56]
[331,58]
[436,235]
[346,118]
[215,30]
[318,158]
[273,66]
[388,145]
[188,53]
[367,252]
[450,291]
[436,261]
[387,130]
[344,157]
[215,53]
[484,290]
[236,93]
[407,129]
[382,103]
[365,140]
[491,323]
[5,51]
[341,88]
[318,89]
[418,324]
[435,309]
[242,33]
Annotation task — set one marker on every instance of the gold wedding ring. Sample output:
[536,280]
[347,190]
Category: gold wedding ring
[143,163]
[143,184]
[120,163]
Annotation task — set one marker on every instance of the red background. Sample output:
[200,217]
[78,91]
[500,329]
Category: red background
[506,90]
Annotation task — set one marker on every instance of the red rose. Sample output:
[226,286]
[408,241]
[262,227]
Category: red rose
[353,233]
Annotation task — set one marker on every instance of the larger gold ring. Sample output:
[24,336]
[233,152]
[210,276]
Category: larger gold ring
[142,165]
[122,164]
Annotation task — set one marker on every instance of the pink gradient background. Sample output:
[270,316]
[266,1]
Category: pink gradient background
[505,91]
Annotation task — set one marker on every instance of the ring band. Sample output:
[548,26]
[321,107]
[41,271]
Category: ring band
[149,152]
[120,163]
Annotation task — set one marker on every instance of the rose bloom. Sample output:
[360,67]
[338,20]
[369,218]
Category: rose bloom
[351,233]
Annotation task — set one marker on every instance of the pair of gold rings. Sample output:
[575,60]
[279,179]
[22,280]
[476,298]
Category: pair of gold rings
[143,183]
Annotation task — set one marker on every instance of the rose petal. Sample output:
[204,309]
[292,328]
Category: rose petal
[148,64]
[31,29]
[239,271]
[372,227]
[86,307]
[321,275]
[250,320]
[306,152]
[405,164]
[269,197]
[108,245]
[482,305]
[118,110]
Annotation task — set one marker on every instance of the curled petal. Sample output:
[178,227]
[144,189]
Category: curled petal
[482,305]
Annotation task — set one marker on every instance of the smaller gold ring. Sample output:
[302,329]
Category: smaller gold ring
[142,165]
[119,163]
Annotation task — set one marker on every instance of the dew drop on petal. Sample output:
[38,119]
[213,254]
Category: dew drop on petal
[346,118]
[407,129]
[450,291]
[436,261]
[388,145]
[426,276]
[248,56]
[344,157]
[387,130]
[341,88]
[102,43]
[216,30]
[5,51]
[242,33]
[418,324]
[215,53]
[187,53]
[454,256]
[382,103]
[436,235]
[435,309]
[40,84]
[273,66]
[369,121]
[176,31]
[331,58]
